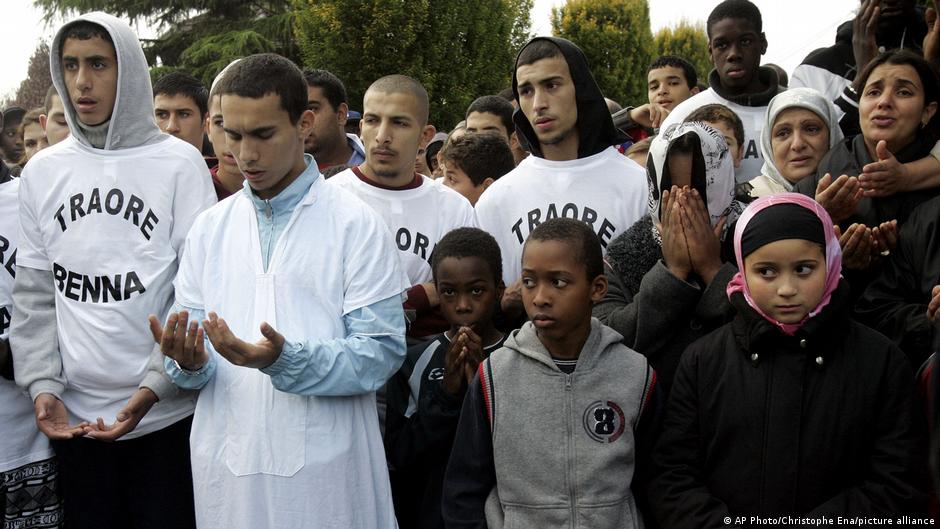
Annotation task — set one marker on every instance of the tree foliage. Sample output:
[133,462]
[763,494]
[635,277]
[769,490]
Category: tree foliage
[688,41]
[458,50]
[201,36]
[32,91]
[616,38]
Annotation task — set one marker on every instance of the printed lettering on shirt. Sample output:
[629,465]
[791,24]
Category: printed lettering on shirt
[417,243]
[436,374]
[113,202]
[603,227]
[4,320]
[96,289]
[7,258]
[752,150]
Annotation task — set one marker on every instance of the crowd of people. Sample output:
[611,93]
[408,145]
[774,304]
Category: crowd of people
[250,306]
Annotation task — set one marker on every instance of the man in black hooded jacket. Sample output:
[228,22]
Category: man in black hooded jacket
[573,172]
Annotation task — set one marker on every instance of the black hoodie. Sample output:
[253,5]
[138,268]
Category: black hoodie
[596,129]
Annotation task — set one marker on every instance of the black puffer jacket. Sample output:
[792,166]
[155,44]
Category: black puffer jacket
[896,302]
[759,423]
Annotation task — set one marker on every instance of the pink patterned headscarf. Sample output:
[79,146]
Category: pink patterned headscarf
[833,254]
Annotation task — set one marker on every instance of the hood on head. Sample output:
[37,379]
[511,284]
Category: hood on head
[596,129]
[717,186]
[132,123]
[806,98]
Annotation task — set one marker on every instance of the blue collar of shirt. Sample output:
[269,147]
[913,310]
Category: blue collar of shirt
[286,200]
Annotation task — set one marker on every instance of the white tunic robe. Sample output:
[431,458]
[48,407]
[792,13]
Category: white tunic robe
[262,457]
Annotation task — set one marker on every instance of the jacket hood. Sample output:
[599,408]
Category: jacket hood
[596,130]
[525,341]
[132,123]
[713,171]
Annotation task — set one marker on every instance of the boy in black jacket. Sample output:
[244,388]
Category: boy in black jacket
[425,396]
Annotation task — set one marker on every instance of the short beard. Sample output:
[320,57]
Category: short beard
[555,139]
[385,173]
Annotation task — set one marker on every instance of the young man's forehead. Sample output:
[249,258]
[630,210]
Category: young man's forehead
[391,104]
[174,102]
[732,27]
[77,48]
[543,69]
[665,72]
[248,113]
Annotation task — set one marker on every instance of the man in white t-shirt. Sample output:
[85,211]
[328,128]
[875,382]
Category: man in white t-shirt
[28,485]
[103,216]
[394,125]
[573,172]
[299,292]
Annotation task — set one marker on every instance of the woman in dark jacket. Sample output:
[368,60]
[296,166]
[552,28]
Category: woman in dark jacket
[792,409]
[899,93]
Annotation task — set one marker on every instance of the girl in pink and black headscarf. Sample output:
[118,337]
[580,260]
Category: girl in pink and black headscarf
[793,409]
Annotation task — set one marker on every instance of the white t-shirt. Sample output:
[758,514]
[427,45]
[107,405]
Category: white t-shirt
[418,218]
[607,190]
[21,442]
[751,117]
[266,458]
[110,226]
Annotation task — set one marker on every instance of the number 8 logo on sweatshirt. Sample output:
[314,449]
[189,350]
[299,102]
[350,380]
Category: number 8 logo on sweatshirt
[604,421]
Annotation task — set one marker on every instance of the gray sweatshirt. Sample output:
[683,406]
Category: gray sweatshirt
[34,337]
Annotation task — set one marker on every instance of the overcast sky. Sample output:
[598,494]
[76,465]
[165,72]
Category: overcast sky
[793,28]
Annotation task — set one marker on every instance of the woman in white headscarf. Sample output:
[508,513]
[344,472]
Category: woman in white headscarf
[800,127]
[667,273]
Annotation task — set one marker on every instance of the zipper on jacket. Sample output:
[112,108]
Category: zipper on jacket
[569,463]
[268,209]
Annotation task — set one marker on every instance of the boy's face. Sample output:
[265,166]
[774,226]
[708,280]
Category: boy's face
[57,129]
[392,133]
[456,179]
[216,134]
[667,87]
[329,124]
[11,142]
[34,140]
[468,291]
[735,48]
[179,116]
[547,97]
[556,292]
[482,121]
[736,149]
[267,147]
[786,278]
[90,70]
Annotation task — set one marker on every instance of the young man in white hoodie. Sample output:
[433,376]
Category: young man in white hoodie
[103,216]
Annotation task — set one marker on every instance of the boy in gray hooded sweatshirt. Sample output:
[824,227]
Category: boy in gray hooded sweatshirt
[554,428]
[103,218]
